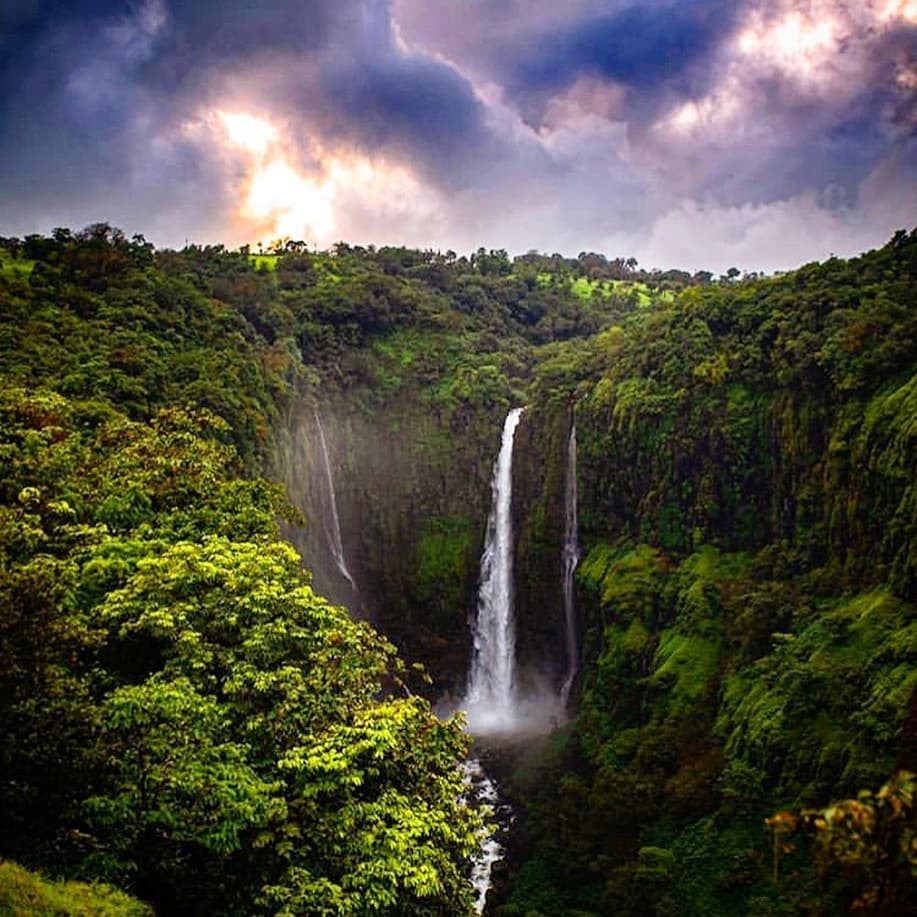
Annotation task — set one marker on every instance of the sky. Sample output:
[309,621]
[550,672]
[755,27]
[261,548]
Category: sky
[698,134]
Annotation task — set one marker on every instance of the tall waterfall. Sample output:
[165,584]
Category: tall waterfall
[570,560]
[331,522]
[490,700]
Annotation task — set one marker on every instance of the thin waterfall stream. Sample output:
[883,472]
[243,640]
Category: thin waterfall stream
[570,560]
[331,521]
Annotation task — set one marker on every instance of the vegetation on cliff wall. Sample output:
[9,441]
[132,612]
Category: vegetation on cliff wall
[748,455]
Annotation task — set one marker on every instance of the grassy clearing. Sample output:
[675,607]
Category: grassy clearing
[11,267]
[587,289]
[264,262]
[25,894]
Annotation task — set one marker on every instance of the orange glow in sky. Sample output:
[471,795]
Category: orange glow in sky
[274,197]
[248,133]
[299,207]
[796,44]
[900,9]
[279,200]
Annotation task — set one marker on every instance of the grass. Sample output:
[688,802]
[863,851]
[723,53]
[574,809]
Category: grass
[588,290]
[323,264]
[691,662]
[585,288]
[26,894]
[264,262]
[11,267]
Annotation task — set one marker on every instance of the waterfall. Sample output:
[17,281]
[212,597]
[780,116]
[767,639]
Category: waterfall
[331,522]
[490,699]
[570,559]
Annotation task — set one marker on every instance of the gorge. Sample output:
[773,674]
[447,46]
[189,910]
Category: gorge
[692,555]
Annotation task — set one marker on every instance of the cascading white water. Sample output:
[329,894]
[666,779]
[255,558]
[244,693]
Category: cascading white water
[481,791]
[330,520]
[569,562]
[490,700]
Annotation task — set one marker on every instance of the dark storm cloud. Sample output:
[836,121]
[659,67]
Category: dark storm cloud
[537,49]
[203,37]
[24,19]
[78,132]
[87,89]
[807,147]
[46,124]
[825,139]
[643,47]
[394,99]
[659,55]
[413,105]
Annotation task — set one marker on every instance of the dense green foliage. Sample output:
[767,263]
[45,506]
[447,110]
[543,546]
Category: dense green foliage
[182,713]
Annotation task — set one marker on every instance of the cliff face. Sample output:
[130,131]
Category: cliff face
[413,493]
[741,464]
[538,488]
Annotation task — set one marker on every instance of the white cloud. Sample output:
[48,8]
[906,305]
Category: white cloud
[781,234]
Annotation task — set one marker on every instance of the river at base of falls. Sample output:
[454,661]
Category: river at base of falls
[481,792]
[493,760]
